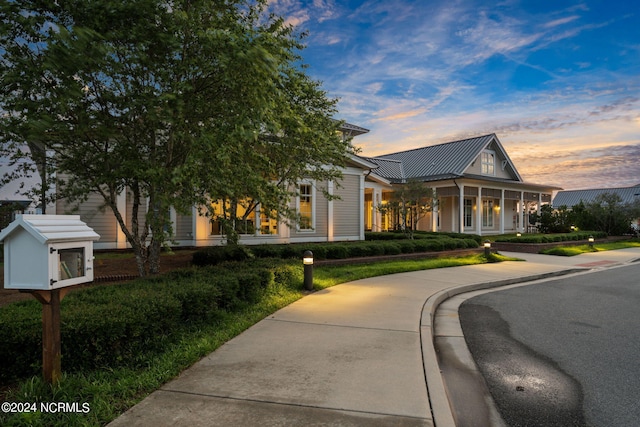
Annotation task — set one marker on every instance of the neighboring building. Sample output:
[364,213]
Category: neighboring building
[570,198]
[477,186]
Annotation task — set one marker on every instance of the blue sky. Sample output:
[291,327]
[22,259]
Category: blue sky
[557,81]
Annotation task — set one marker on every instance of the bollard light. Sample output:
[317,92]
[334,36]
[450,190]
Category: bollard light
[487,248]
[591,240]
[307,261]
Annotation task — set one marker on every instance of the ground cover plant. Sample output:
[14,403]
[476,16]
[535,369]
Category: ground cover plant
[580,249]
[182,317]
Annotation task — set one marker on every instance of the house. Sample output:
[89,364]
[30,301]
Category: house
[571,198]
[477,186]
[323,219]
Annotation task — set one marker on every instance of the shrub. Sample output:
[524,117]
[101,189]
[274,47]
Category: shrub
[109,326]
[216,254]
[391,248]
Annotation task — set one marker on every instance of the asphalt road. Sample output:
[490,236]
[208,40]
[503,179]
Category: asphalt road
[562,353]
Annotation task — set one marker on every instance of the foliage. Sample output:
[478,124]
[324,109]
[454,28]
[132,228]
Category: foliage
[337,250]
[410,202]
[169,103]
[607,213]
[577,250]
[550,238]
[106,327]
[550,221]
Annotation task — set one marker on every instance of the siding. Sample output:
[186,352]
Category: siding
[95,214]
[346,210]
[183,227]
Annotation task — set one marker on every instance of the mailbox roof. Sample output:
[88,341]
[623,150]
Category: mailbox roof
[52,228]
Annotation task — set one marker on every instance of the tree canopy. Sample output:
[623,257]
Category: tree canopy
[175,103]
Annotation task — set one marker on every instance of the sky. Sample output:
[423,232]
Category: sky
[557,81]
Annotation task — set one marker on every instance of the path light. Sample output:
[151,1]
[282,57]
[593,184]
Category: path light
[591,240]
[518,234]
[487,248]
[307,260]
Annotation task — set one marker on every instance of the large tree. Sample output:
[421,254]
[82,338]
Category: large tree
[174,102]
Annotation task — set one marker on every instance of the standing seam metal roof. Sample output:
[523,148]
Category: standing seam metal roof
[449,160]
[571,198]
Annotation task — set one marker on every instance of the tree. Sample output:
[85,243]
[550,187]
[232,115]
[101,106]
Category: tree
[607,213]
[410,202]
[174,102]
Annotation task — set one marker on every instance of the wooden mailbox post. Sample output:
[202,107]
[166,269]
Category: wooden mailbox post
[44,255]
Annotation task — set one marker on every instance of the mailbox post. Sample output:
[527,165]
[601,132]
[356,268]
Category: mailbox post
[44,255]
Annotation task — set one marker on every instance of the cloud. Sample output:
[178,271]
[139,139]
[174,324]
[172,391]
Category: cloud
[560,21]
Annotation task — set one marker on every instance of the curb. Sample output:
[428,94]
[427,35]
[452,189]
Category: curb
[441,412]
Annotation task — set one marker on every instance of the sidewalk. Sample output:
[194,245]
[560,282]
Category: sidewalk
[351,355]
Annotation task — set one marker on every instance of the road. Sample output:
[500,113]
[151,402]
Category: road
[561,353]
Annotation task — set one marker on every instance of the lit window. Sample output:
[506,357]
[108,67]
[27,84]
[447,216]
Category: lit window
[306,207]
[487,213]
[488,163]
[468,212]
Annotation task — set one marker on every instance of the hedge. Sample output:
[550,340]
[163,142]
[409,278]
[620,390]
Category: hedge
[390,244]
[551,238]
[112,325]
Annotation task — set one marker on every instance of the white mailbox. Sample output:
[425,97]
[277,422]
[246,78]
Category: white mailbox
[45,252]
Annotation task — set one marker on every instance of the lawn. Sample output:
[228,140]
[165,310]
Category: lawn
[597,247]
[112,390]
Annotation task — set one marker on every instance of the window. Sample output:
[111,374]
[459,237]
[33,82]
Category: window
[305,207]
[488,163]
[268,225]
[487,213]
[468,213]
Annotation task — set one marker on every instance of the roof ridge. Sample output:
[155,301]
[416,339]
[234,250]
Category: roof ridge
[435,145]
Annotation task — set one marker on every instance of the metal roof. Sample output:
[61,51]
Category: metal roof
[442,161]
[353,130]
[570,198]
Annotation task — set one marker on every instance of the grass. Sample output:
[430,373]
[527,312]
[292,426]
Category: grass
[581,249]
[110,392]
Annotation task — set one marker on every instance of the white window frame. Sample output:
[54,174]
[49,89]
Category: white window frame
[488,162]
[313,206]
[487,213]
[468,206]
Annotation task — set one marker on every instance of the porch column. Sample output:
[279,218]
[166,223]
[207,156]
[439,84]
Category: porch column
[330,211]
[360,203]
[121,202]
[479,212]
[502,211]
[434,213]
[461,210]
[521,213]
[539,203]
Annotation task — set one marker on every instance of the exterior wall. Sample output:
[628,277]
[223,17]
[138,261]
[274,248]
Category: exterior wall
[346,209]
[476,167]
[183,228]
[95,215]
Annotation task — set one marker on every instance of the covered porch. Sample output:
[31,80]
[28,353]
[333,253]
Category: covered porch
[465,206]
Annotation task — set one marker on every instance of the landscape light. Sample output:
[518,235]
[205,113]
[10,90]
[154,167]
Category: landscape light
[307,261]
[591,240]
[487,248]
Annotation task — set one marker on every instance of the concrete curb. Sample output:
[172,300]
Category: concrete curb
[436,390]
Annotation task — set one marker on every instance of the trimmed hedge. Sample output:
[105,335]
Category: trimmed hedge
[109,326]
[551,238]
[390,244]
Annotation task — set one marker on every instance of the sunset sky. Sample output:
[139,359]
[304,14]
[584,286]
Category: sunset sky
[557,81]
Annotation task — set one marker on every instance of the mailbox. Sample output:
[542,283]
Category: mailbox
[46,252]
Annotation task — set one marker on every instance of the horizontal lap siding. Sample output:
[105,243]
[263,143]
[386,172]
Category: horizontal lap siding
[183,227]
[94,213]
[346,209]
